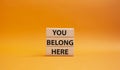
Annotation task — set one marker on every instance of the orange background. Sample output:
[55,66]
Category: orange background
[23,34]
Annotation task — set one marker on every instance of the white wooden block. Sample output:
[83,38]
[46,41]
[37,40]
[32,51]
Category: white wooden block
[60,42]
[59,50]
[60,32]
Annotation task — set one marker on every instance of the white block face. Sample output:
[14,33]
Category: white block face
[59,50]
[60,32]
[59,41]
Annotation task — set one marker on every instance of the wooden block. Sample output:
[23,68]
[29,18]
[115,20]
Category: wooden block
[59,50]
[59,32]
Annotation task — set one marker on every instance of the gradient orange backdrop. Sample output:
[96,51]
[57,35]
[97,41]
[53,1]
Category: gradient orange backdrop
[23,34]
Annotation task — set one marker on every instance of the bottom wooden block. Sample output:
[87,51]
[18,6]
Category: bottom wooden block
[59,50]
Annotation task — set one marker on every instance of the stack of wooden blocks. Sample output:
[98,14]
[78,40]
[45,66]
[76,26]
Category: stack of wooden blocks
[59,41]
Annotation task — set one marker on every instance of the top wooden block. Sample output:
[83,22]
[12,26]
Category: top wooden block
[60,32]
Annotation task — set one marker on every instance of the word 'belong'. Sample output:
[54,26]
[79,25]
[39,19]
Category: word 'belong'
[60,42]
